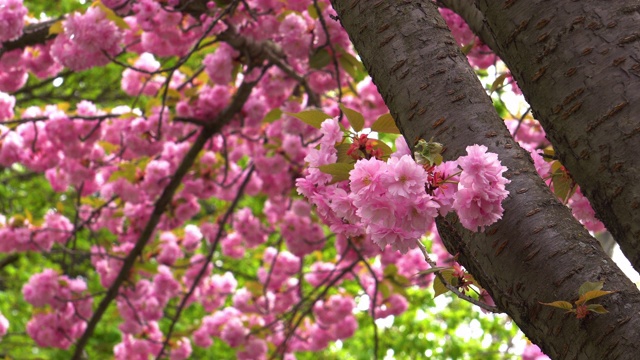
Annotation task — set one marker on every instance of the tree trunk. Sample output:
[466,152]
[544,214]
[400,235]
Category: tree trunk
[578,65]
[537,252]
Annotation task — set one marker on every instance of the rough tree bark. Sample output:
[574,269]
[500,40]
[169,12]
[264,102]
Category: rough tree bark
[537,252]
[578,65]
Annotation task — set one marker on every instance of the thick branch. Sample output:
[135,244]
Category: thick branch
[537,252]
[578,65]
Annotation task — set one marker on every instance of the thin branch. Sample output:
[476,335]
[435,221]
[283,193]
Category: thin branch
[452,288]
[160,206]
[374,299]
[259,51]
[202,271]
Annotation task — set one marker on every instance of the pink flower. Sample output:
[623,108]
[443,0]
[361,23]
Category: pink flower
[346,327]
[135,82]
[408,177]
[42,288]
[233,246]
[542,167]
[181,350]
[4,325]
[321,272]
[334,309]
[254,349]
[234,333]
[331,132]
[444,193]
[219,65]
[402,148]
[481,190]
[533,352]
[367,176]
[7,102]
[85,39]
[476,211]
[399,238]
[12,14]
[582,210]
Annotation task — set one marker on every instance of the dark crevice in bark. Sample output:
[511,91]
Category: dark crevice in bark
[537,252]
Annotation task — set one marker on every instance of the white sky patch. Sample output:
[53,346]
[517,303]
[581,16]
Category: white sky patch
[624,264]
[385,323]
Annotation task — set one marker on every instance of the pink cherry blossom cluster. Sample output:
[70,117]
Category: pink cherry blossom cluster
[582,210]
[86,39]
[18,234]
[391,201]
[481,189]
[7,102]
[388,200]
[12,13]
[68,308]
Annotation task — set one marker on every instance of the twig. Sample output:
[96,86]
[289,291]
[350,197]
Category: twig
[452,288]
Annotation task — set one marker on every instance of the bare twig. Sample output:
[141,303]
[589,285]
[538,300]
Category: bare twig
[452,288]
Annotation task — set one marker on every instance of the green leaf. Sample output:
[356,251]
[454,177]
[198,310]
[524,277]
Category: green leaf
[351,65]
[313,13]
[590,286]
[311,10]
[401,282]
[563,184]
[173,96]
[390,271]
[385,124]
[320,59]
[560,304]
[448,275]
[432,270]
[311,117]
[128,170]
[355,118]
[385,288]
[146,267]
[254,287]
[549,153]
[467,48]
[272,116]
[589,295]
[378,144]
[342,153]
[438,287]
[597,308]
[498,82]
[339,171]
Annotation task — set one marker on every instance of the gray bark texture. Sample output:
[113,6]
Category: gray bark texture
[537,252]
[578,65]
